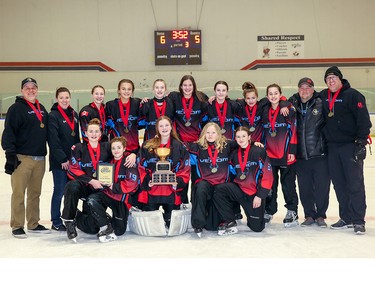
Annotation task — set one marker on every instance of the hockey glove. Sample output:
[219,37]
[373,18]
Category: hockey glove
[360,150]
[11,163]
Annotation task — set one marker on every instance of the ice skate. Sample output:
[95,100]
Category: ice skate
[107,234]
[227,228]
[71,230]
[291,219]
[267,218]
[198,231]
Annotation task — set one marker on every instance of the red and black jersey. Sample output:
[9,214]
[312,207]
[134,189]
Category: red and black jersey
[226,115]
[254,174]
[188,127]
[150,112]
[126,181]
[180,164]
[214,173]
[128,127]
[279,138]
[81,164]
[89,112]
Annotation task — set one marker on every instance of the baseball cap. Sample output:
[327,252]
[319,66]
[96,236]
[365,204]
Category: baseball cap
[307,81]
[28,80]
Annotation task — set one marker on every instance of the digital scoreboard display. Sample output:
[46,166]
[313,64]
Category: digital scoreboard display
[178,47]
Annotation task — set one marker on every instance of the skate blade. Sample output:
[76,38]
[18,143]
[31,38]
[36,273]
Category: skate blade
[290,224]
[199,234]
[228,232]
[108,238]
[74,240]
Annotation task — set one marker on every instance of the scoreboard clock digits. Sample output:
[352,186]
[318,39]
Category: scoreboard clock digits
[178,47]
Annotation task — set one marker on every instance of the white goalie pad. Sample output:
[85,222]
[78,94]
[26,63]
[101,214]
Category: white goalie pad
[180,221]
[150,223]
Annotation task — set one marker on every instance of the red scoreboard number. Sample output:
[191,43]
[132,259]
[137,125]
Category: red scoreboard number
[178,47]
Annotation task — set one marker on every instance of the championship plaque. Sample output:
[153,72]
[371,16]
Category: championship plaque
[163,174]
[106,173]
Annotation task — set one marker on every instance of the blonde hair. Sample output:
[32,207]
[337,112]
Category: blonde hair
[220,142]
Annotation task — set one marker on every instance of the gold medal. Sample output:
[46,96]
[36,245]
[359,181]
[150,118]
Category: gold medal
[273,134]
[242,177]
[94,174]
[330,114]
[214,170]
[187,124]
[223,131]
[252,129]
[42,125]
[73,134]
[126,130]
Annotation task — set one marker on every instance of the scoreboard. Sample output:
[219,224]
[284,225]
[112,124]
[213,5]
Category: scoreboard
[178,47]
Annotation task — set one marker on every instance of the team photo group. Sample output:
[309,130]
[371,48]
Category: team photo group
[218,158]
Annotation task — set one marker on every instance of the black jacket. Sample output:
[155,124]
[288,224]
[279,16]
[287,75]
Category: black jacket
[60,139]
[23,132]
[310,122]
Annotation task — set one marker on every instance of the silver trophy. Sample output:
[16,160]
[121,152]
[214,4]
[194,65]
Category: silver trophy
[163,174]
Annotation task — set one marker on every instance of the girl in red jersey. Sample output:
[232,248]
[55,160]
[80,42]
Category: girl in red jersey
[251,185]
[190,107]
[210,154]
[223,111]
[96,109]
[83,173]
[152,109]
[123,114]
[166,195]
[114,196]
[280,140]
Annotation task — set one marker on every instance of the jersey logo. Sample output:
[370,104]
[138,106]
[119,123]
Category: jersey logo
[360,105]
[84,113]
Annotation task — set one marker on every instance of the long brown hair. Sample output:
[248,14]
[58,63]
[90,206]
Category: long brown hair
[196,93]
[155,142]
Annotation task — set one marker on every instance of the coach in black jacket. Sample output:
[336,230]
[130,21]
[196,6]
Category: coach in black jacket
[312,165]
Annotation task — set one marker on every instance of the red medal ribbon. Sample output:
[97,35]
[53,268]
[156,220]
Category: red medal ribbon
[159,109]
[101,112]
[124,117]
[37,111]
[251,113]
[221,114]
[94,159]
[117,169]
[331,102]
[188,106]
[214,156]
[66,118]
[272,115]
[168,144]
[246,156]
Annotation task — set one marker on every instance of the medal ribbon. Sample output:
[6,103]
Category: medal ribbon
[101,112]
[94,159]
[214,156]
[66,118]
[221,114]
[159,109]
[331,102]
[117,169]
[168,144]
[187,107]
[37,111]
[251,113]
[272,117]
[246,156]
[124,117]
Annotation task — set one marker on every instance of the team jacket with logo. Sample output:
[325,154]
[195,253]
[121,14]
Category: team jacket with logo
[188,133]
[116,124]
[258,172]
[148,116]
[201,158]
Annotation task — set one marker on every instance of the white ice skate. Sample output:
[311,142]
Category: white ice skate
[291,219]
[226,229]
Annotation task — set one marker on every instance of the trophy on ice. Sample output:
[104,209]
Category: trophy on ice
[163,174]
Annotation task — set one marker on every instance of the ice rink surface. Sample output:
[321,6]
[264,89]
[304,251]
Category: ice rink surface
[308,252]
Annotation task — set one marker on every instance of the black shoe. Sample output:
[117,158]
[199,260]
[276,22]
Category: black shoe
[39,229]
[19,233]
[238,216]
[58,228]
[71,229]
[341,224]
[359,229]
